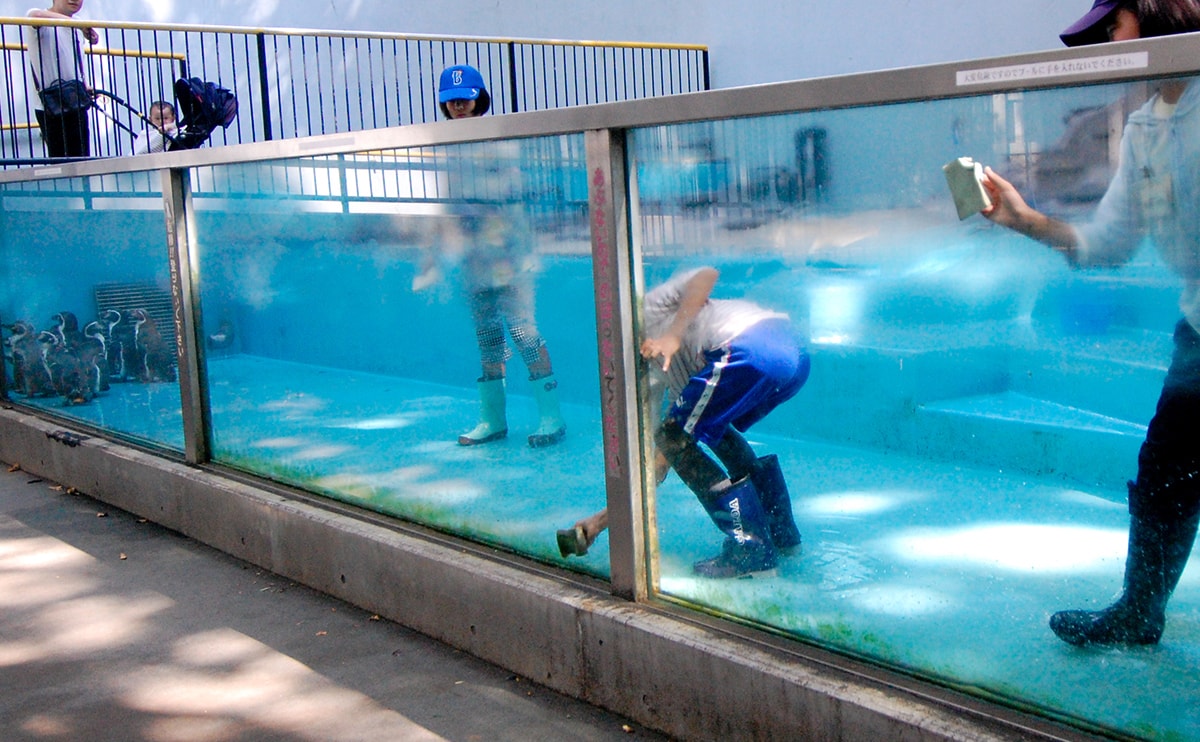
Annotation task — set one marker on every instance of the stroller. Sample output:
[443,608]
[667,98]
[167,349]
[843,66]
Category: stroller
[203,106]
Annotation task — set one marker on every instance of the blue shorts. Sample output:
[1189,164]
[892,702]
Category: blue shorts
[756,372]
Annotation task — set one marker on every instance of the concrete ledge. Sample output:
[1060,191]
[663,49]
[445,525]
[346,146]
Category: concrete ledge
[685,677]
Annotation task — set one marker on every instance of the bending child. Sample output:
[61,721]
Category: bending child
[726,363]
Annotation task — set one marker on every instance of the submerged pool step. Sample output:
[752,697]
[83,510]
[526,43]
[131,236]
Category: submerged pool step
[1020,408]
[1040,436]
[1048,412]
[1119,379]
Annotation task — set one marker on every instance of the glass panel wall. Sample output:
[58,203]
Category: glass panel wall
[411,331]
[957,460]
[950,411]
[86,304]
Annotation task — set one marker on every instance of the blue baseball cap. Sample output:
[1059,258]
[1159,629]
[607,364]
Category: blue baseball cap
[460,82]
[1092,28]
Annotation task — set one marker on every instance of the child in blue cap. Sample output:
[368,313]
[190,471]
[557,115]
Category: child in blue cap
[461,92]
[498,269]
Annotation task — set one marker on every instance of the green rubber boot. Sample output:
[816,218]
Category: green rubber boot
[492,425]
[551,428]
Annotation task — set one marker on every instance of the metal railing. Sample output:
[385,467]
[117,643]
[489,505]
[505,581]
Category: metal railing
[293,83]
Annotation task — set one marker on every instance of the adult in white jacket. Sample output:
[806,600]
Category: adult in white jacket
[1155,193]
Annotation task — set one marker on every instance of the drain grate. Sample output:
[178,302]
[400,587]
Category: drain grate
[150,297]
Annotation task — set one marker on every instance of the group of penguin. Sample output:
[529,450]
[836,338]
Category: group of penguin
[122,345]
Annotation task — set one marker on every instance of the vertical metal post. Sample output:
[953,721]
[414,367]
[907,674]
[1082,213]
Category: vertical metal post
[612,275]
[343,184]
[189,350]
[512,78]
[4,377]
[264,84]
[707,81]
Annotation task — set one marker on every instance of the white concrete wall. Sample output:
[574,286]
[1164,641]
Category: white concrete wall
[751,41]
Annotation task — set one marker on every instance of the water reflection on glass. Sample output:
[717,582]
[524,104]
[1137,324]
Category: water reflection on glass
[363,311]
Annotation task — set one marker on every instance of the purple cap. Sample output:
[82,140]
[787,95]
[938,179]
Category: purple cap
[1091,28]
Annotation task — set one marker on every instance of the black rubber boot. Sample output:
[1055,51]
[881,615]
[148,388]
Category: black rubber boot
[1158,552]
[748,551]
[773,493]
[740,461]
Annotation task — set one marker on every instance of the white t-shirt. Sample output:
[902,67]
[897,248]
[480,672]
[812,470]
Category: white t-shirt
[152,141]
[54,54]
[717,324]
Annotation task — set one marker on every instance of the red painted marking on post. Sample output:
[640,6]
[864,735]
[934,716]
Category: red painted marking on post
[606,314]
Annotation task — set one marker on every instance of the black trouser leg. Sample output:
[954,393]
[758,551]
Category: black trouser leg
[1168,479]
[66,135]
[696,468]
[736,454]
[1164,508]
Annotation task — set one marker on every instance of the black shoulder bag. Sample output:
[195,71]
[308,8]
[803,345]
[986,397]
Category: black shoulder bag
[65,96]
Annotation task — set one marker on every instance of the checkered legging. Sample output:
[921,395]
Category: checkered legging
[510,307]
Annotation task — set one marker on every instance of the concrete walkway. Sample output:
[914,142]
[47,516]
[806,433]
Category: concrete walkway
[113,628]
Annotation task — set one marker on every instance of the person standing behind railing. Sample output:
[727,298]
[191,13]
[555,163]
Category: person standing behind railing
[57,63]
[493,234]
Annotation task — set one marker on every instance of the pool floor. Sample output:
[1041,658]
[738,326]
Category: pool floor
[950,571]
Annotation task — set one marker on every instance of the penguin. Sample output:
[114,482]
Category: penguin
[93,352]
[223,338]
[30,376]
[114,347]
[125,337]
[68,376]
[66,327]
[158,363]
[48,345]
[17,380]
